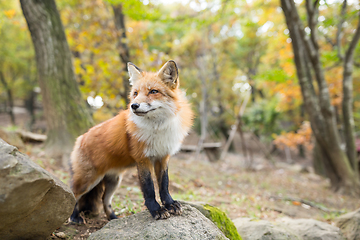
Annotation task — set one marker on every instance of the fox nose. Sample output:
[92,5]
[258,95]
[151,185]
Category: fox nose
[135,106]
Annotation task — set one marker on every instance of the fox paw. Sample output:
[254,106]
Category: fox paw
[77,219]
[174,208]
[162,213]
[112,216]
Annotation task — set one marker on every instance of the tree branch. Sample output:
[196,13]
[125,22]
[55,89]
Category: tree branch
[306,202]
[328,39]
[294,17]
[313,12]
[347,103]
[311,48]
[339,30]
[299,54]
[336,64]
[350,52]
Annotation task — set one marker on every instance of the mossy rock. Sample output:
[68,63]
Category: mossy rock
[219,218]
[191,224]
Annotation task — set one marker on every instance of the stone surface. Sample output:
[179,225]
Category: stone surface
[262,230]
[33,203]
[350,224]
[286,228]
[190,225]
[310,229]
[12,138]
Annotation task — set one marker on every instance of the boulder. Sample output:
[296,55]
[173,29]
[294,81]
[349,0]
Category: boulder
[310,229]
[250,229]
[190,225]
[349,224]
[12,138]
[33,203]
[287,228]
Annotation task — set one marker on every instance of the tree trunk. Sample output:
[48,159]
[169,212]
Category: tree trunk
[243,143]
[321,164]
[347,103]
[318,107]
[66,113]
[202,74]
[30,107]
[318,161]
[235,126]
[10,98]
[124,52]
[221,124]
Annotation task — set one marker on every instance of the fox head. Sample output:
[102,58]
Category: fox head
[154,95]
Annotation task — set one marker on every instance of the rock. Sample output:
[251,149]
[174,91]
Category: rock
[349,224]
[33,203]
[262,230]
[12,137]
[309,229]
[286,228]
[60,235]
[218,217]
[190,225]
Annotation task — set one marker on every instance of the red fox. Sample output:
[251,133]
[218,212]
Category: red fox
[145,135]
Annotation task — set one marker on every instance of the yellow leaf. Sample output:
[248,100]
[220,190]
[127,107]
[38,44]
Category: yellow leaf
[90,69]
[10,13]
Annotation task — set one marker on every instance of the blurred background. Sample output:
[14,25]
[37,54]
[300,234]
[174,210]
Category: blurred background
[223,50]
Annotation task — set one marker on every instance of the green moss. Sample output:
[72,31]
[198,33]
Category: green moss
[223,222]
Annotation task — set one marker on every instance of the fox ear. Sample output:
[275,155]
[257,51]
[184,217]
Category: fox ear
[169,74]
[134,73]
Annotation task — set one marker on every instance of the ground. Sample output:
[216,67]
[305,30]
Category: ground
[263,191]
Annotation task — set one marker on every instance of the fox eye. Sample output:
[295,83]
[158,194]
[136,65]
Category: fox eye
[135,94]
[153,91]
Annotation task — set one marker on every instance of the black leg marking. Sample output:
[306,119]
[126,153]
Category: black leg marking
[172,206]
[90,202]
[147,187]
[111,183]
[75,216]
[112,216]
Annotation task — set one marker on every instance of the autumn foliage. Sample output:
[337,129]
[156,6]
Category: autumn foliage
[228,44]
[303,136]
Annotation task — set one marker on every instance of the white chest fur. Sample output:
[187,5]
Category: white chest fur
[162,136]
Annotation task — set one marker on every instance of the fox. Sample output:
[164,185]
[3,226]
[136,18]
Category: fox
[145,135]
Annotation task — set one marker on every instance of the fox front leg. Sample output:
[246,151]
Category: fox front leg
[161,169]
[147,187]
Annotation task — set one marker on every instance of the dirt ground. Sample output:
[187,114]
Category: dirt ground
[262,191]
[258,190]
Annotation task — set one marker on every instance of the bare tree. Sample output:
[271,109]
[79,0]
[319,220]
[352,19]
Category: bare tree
[338,164]
[66,113]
